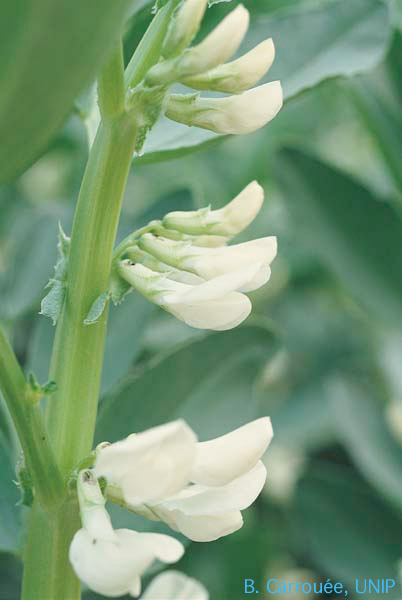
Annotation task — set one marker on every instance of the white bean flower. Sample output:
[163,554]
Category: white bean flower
[226,222]
[215,304]
[111,562]
[204,67]
[239,114]
[172,585]
[185,267]
[225,477]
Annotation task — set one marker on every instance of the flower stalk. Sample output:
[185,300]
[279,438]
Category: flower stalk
[25,412]
[78,349]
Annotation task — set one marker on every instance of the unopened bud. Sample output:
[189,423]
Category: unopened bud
[239,75]
[184,26]
[227,221]
[219,45]
[240,114]
[214,50]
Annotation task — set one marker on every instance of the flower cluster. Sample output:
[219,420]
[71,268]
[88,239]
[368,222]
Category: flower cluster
[204,67]
[186,267]
[198,488]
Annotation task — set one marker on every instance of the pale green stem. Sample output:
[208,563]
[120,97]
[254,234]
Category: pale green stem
[78,349]
[25,412]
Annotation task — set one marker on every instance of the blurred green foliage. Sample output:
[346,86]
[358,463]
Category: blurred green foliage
[321,353]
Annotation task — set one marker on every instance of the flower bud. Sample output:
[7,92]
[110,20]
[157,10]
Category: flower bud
[232,115]
[172,585]
[218,46]
[236,76]
[214,50]
[227,221]
[210,262]
[184,26]
[214,304]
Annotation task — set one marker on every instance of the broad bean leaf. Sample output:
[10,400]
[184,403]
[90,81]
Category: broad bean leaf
[361,426]
[336,524]
[49,51]
[208,381]
[356,234]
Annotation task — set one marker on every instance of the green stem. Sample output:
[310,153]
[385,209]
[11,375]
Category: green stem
[25,412]
[78,350]
[77,358]
[149,49]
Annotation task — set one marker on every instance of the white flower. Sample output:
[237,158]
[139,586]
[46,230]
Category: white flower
[214,50]
[205,513]
[110,561]
[172,585]
[149,465]
[240,114]
[226,477]
[210,263]
[184,26]
[213,304]
[227,221]
[218,46]
[238,75]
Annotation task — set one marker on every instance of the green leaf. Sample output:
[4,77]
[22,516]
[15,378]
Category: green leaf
[48,54]
[29,258]
[355,234]
[361,426]
[52,303]
[349,38]
[204,381]
[97,308]
[336,522]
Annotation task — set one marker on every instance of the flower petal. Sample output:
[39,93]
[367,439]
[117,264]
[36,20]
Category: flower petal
[219,314]
[149,465]
[172,585]
[238,75]
[209,528]
[225,458]
[109,568]
[163,547]
[239,494]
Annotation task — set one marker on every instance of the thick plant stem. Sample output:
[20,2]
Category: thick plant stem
[49,576]
[78,354]
[25,412]
[78,350]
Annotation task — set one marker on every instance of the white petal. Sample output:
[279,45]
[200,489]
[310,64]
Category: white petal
[219,314]
[241,211]
[261,278]
[109,568]
[163,547]
[220,286]
[206,513]
[209,528]
[150,465]
[218,224]
[172,585]
[240,114]
[239,75]
[218,46]
[225,458]
[213,262]
[200,500]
